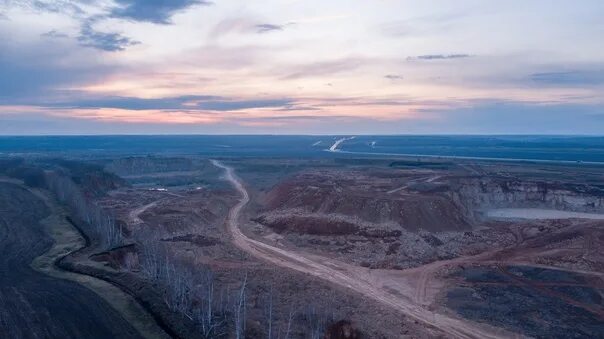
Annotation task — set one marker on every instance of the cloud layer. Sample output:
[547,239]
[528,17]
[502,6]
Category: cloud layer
[351,66]
[155,11]
[110,42]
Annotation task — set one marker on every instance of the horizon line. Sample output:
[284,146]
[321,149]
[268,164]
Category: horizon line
[310,134]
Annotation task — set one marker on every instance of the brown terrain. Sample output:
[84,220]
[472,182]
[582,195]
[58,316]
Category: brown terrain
[434,223]
[346,248]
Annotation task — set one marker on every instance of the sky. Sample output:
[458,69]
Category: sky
[301,67]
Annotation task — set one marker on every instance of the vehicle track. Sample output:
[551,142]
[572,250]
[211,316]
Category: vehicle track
[134,215]
[344,275]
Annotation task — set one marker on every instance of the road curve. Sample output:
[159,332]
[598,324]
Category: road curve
[339,274]
[336,144]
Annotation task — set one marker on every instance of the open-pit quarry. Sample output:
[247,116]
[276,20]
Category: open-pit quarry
[379,248]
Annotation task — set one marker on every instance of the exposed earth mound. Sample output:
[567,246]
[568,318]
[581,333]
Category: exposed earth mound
[404,217]
[324,225]
[354,195]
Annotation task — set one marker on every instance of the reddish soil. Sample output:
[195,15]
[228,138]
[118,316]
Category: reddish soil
[365,196]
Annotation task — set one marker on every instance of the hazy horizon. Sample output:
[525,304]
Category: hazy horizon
[586,135]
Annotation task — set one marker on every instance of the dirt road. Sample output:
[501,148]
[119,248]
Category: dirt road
[336,144]
[134,215]
[355,278]
[35,305]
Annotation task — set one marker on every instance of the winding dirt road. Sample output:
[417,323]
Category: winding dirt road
[358,279]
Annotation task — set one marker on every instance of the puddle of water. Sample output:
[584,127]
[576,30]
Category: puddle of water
[538,213]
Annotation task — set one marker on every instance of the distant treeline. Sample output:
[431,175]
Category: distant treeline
[422,164]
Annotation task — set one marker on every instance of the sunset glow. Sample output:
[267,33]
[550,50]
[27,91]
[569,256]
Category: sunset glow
[303,67]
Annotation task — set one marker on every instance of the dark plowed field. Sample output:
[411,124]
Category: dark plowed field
[33,305]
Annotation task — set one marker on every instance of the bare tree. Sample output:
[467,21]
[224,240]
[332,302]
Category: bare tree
[208,314]
[239,311]
[316,321]
[178,282]
[192,296]
[269,313]
[100,224]
[290,319]
[131,261]
[152,260]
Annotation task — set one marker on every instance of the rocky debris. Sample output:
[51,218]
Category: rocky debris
[406,250]
[314,225]
[296,221]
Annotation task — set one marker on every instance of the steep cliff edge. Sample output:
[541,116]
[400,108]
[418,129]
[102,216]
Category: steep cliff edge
[477,194]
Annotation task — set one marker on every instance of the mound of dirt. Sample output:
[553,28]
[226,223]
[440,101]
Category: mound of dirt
[308,225]
[316,224]
[347,195]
